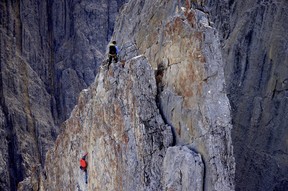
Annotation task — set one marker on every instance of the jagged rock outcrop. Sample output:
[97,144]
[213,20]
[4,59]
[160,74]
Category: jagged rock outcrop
[254,47]
[185,52]
[117,121]
[50,51]
[142,130]
[166,91]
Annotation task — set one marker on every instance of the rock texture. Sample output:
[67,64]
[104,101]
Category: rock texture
[118,123]
[81,31]
[255,48]
[157,120]
[166,91]
[185,54]
[27,126]
[184,169]
[50,51]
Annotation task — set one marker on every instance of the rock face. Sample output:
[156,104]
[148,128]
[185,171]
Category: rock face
[50,51]
[255,43]
[27,125]
[184,169]
[81,31]
[162,108]
[160,118]
[118,123]
[185,52]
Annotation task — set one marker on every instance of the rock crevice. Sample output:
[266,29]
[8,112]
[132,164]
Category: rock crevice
[126,132]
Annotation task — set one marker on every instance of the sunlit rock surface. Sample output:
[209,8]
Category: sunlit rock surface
[167,90]
[118,123]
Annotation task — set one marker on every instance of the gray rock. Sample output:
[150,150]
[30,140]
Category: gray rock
[117,121]
[27,123]
[81,31]
[120,120]
[4,160]
[254,47]
[185,52]
[183,169]
[49,52]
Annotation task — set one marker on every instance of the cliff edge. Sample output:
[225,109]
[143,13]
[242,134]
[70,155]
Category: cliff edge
[157,119]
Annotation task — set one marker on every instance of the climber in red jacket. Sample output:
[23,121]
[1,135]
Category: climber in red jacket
[83,166]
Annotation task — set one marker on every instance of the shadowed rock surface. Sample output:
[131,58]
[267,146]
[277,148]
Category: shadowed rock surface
[255,51]
[50,51]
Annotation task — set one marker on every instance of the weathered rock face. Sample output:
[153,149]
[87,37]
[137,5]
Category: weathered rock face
[169,93]
[255,48]
[81,31]
[183,169]
[134,123]
[27,125]
[185,52]
[50,51]
[118,123]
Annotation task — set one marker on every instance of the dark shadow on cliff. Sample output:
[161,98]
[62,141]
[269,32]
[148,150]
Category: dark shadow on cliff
[159,76]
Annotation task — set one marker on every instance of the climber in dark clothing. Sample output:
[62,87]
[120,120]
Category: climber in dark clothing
[83,166]
[113,53]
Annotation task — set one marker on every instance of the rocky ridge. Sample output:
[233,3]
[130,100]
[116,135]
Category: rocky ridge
[118,123]
[49,52]
[161,104]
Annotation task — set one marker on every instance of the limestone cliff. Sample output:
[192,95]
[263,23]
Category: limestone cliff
[49,52]
[157,120]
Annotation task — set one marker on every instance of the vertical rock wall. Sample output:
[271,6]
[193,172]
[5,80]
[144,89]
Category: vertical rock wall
[255,48]
[27,125]
[50,51]
[81,31]
[185,52]
[167,91]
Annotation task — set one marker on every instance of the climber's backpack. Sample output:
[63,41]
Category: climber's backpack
[112,49]
[83,164]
